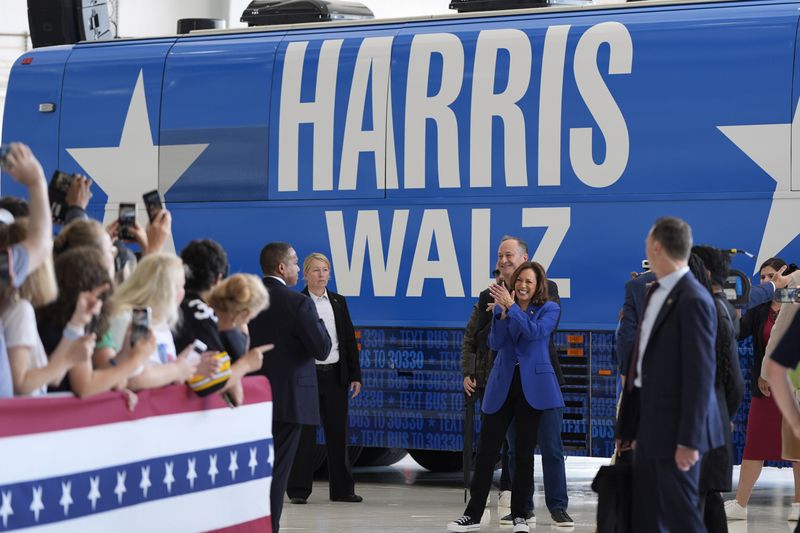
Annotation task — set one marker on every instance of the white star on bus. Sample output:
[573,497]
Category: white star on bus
[770,147]
[135,166]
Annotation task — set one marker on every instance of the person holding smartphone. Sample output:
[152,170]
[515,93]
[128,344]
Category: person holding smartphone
[157,283]
[19,259]
[763,436]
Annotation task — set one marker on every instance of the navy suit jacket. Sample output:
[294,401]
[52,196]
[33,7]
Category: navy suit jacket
[635,291]
[523,336]
[677,403]
[291,323]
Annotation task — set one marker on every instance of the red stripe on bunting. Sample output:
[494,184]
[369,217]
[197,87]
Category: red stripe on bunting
[23,416]
[261,525]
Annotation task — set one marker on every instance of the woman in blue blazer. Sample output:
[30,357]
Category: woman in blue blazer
[522,383]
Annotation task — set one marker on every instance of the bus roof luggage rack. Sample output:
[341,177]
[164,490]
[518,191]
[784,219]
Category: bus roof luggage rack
[272,12]
[468,6]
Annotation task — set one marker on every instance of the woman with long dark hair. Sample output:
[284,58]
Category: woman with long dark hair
[522,384]
[763,439]
[716,469]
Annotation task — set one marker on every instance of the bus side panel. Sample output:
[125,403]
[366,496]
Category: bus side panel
[617,102]
[329,114]
[217,92]
[109,120]
[30,85]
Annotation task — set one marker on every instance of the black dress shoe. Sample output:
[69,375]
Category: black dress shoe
[353,498]
[298,501]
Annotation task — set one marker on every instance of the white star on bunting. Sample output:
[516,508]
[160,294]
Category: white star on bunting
[136,166]
[145,484]
[169,478]
[191,475]
[120,489]
[66,496]
[94,490]
[271,459]
[36,504]
[6,510]
[253,462]
[770,147]
[234,466]
[212,469]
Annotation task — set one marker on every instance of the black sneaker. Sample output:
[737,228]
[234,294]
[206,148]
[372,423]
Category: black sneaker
[521,525]
[465,523]
[561,518]
[508,520]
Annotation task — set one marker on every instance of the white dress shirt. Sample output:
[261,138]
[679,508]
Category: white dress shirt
[657,299]
[325,312]
[279,279]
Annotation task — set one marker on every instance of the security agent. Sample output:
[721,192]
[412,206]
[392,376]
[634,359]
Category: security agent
[292,324]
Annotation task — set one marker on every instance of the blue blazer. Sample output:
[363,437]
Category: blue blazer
[524,336]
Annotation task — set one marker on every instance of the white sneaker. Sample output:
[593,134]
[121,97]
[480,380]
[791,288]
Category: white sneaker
[521,525]
[734,511]
[794,512]
[504,498]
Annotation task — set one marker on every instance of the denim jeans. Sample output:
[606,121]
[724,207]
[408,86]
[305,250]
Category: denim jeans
[552,450]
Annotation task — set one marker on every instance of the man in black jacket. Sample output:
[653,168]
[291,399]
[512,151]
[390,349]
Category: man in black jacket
[290,323]
[475,355]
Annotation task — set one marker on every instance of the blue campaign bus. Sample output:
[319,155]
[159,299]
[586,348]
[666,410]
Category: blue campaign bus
[405,149]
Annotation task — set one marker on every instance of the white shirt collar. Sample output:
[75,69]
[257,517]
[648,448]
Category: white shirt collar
[323,297]
[279,279]
[669,281]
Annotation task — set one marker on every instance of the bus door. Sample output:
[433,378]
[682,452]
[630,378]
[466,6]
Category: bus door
[109,120]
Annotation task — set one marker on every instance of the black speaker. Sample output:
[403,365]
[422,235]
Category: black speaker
[54,22]
[188,25]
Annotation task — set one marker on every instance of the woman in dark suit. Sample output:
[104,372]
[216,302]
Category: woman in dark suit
[339,372]
[716,468]
[763,438]
[522,383]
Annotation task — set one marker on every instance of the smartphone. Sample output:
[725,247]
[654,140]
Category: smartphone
[140,323]
[198,347]
[787,296]
[152,202]
[127,218]
[57,190]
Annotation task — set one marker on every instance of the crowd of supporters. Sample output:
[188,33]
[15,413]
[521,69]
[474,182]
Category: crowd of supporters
[88,312]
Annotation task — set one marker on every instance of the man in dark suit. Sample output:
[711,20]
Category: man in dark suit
[636,288]
[669,412]
[513,251]
[290,323]
[338,373]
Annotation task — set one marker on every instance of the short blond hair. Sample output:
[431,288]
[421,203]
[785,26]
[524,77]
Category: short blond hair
[240,292]
[312,257]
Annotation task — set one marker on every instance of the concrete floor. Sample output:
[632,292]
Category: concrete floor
[407,498]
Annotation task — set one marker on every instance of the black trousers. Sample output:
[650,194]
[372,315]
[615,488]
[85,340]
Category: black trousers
[286,436]
[333,411]
[664,498]
[713,509]
[493,433]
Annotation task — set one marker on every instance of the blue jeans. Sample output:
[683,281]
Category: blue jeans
[552,450]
